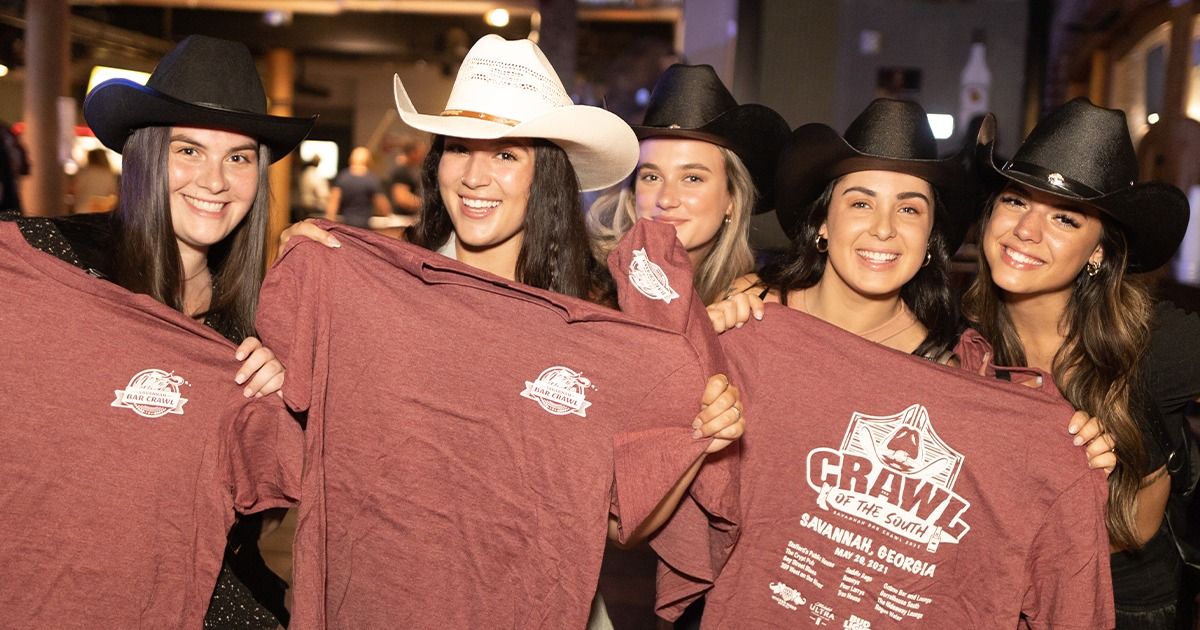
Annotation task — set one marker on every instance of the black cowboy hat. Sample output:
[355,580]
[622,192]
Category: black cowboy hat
[691,102]
[889,135]
[1083,154]
[203,82]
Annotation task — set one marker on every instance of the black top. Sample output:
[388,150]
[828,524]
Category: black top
[1149,577]
[358,196]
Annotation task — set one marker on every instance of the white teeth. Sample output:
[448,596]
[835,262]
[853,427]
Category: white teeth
[1022,258]
[207,206]
[479,204]
[878,257]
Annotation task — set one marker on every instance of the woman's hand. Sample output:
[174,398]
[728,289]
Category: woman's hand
[734,311]
[720,414]
[309,230]
[1089,433]
[261,372]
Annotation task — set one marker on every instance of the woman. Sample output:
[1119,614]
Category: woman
[705,165]
[190,229]
[1061,234]
[501,184]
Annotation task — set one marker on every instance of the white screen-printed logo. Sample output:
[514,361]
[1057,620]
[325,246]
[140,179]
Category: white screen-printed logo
[152,394]
[560,390]
[649,279]
[896,472]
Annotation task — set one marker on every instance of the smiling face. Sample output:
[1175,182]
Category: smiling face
[878,228]
[212,181]
[684,183]
[485,187]
[1036,243]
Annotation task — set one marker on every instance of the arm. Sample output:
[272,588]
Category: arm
[720,418]
[404,199]
[1151,504]
[382,207]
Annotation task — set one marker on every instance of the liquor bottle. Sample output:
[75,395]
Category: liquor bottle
[975,82]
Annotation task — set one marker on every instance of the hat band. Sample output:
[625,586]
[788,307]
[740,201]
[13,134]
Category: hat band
[466,113]
[1054,179]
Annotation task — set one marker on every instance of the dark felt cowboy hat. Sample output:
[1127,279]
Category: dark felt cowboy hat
[889,135]
[691,102]
[203,82]
[1083,154]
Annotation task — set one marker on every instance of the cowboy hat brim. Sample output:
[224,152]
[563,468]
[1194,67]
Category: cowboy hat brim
[816,155]
[755,133]
[117,107]
[599,144]
[1151,240]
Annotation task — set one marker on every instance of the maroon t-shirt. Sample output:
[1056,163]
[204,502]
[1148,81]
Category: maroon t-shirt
[468,436]
[125,448]
[880,490]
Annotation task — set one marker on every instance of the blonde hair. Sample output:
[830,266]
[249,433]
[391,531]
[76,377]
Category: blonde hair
[614,213]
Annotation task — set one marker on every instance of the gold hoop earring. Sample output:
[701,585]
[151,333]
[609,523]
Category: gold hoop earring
[1092,268]
[822,244]
[928,258]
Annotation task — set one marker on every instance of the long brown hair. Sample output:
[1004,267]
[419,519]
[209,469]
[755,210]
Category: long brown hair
[614,213]
[555,251]
[147,254]
[1107,324]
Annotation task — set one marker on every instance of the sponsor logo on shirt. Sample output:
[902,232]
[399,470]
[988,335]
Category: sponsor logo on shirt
[856,623]
[821,615]
[895,472]
[560,391]
[649,279]
[786,596]
[152,394]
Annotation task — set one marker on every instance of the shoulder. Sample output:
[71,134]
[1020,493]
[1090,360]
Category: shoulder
[83,240]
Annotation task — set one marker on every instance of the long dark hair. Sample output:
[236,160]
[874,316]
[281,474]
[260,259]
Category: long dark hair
[927,294]
[1107,322]
[555,252]
[147,254]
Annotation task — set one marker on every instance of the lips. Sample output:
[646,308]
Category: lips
[477,208]
[876,257]
[205,206]
[1019,260]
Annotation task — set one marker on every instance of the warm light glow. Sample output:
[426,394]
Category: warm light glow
[1152,118]
[326,150]
[101,74]
[3,70]
[942,125]
[496,17]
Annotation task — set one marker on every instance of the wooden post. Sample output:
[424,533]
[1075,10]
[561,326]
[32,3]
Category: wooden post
[281,64]
[46,61]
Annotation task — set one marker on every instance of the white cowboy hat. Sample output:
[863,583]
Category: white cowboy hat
[507,89]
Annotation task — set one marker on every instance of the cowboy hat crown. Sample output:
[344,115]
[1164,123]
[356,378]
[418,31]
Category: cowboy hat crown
[508,89]
[202,82]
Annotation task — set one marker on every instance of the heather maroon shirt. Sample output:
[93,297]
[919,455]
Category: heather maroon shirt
[125,447]
[880,490]
[469,436]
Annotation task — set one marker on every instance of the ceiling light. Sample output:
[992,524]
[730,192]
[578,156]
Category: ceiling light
[496,17]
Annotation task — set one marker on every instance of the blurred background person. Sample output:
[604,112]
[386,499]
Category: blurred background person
[95,187]
[357,192]
[313,189]
[405,186]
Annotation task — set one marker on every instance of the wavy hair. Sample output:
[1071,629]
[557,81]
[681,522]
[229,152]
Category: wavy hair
[555,252]
[147,254]
[1107,325]
[927,294]
[614,213]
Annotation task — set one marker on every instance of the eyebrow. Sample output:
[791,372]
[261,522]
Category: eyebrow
[694,166]
[901,196]
[1028,193]
[249,146]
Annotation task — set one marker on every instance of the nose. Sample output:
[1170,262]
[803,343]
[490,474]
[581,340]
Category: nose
[1028,228]
[667,197]
[476,173]
[882,226]
[213,177]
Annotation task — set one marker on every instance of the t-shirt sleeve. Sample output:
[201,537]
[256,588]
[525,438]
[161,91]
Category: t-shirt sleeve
[1068,580]
[264,451]
[290,318]
[655,448]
